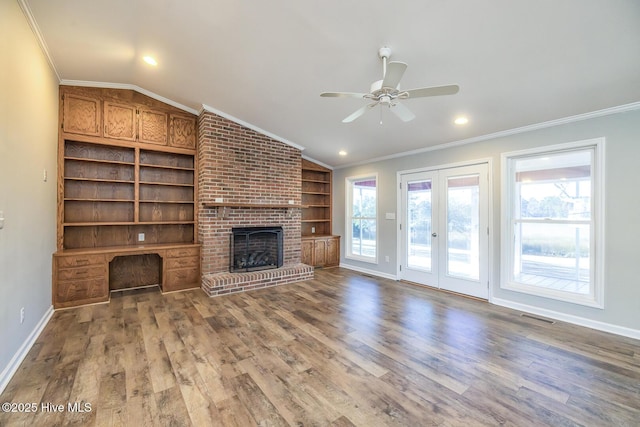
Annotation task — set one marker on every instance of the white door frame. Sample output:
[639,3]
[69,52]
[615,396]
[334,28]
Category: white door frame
[490,256]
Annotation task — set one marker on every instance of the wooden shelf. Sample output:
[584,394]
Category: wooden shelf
[117,181]
[168,184]
[96,223]
[109,162]
[322,193]
[178,202]
[75,199]
[322,181]
[145,165]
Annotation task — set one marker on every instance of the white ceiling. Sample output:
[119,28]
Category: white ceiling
[266,62]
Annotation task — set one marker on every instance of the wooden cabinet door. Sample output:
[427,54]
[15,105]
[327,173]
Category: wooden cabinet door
[320,252]
[307,252]
[119,121]
[183,131]
[333,251]
[153,127]
[81,115]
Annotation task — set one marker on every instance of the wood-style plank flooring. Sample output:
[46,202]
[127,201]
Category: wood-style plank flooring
[343,349]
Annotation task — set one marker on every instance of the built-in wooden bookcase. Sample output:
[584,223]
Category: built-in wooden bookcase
[316,199]
[319,247]
[126,188]
[113,195]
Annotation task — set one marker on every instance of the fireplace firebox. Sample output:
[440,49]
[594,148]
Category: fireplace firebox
[256,248]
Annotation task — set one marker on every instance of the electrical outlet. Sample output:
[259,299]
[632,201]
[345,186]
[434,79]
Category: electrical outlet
[386,258]
[44,175]
[140,237]
[313,230]
[22,315]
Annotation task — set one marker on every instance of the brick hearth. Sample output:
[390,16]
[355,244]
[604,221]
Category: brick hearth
[229,283]
[246,169]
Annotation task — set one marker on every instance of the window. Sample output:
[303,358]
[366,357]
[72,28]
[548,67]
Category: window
[362,223]
[552,206]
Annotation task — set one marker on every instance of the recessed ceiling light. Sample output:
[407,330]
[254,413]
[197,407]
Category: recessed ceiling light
[150,60]
[461,120]
[342,153]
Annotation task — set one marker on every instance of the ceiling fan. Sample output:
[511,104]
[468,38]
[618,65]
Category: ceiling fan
[387,92]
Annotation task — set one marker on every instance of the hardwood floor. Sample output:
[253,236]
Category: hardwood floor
[343,349]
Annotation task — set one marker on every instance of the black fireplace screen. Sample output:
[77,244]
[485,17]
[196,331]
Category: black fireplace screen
[256,248]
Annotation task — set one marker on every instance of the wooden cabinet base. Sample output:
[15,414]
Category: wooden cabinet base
[81,276]
[321,251]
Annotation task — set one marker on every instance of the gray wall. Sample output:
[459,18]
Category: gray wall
[622,211]
[28,141]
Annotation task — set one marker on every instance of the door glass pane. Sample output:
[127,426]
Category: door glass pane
[463,223]
[419,225]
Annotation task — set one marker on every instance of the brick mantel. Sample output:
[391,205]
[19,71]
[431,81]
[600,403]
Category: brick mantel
[246,179]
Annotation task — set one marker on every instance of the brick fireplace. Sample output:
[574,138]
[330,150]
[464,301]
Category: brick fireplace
[246,179]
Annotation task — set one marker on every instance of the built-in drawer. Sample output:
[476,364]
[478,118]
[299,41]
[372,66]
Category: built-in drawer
[82,272]
[173,263]
[82,291]
[182,278]
[183,252]
[79,260]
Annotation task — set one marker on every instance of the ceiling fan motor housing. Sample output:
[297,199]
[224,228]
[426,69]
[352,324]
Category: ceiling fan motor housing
[384,52]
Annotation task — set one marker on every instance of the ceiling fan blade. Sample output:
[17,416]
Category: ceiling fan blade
[403,112]
[432,91]
[359,112]
[342,95]
[395,71]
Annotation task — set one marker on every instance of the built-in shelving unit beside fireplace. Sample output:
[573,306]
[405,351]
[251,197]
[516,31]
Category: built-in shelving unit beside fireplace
[127,188]
[319,247]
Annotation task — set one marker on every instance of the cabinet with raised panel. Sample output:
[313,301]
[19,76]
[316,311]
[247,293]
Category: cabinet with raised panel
[183,131]
[81,114]
[125,115]
[119,121]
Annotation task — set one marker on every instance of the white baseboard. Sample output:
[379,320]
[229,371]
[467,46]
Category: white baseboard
[569,318]
[367,271]
[17,358]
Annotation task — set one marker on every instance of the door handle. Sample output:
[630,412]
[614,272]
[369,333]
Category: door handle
[434,234]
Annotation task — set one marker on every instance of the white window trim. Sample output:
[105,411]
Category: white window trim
[348,226]
[596,297]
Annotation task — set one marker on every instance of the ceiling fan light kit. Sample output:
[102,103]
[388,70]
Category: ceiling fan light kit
[386,92]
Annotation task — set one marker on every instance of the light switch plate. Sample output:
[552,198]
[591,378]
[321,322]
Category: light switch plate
[1,220]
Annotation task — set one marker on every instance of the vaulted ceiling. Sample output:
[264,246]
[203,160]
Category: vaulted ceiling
[265,63]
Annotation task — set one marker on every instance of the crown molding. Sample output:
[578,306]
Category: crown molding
[210,109]
[543,125]
[129,87]
[26,10]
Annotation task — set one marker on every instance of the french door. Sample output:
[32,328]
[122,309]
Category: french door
[444,229]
